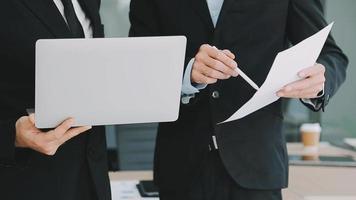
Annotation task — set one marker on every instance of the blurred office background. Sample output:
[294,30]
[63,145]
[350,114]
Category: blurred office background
[131,146]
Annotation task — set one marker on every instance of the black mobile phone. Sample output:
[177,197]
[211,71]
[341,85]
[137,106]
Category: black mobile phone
[148,189]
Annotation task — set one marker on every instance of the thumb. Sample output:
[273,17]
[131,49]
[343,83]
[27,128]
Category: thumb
[32,118]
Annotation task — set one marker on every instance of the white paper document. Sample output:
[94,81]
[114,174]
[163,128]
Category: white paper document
[284,70]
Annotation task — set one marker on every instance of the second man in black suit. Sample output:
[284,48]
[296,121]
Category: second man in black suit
[196,159]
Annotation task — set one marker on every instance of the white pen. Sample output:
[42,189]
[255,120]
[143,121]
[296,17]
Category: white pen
[244,76]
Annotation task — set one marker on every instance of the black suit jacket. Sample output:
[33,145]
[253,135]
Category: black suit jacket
[80,166]
[252,149]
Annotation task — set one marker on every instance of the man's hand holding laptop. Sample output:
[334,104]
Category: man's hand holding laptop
[28,136]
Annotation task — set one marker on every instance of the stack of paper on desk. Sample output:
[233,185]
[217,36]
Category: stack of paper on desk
[284,70]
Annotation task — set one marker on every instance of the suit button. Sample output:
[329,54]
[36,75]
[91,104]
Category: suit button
[215,94]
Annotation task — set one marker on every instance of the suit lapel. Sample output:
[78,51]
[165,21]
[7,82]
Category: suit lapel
[224,10]
[201,7]
[47,12]
[91,9]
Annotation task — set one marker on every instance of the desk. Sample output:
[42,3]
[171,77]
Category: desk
[319,181]
[325,149]
[304,181]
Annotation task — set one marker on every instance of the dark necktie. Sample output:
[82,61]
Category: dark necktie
[72,20]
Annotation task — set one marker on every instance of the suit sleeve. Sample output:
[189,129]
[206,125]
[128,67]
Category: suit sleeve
[7,142]
[7,124]
[305,18]
[10,156]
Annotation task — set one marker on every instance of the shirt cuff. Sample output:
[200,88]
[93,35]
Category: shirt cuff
[314,102]
[188,88]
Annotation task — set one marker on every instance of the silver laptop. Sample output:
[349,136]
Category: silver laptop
[109,81]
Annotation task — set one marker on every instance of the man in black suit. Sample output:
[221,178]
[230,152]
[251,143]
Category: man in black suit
[61,164]
[197,159]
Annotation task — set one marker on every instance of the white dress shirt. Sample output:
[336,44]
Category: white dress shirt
[215,9]
[83,19]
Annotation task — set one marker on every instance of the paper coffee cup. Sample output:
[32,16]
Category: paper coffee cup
[310,134]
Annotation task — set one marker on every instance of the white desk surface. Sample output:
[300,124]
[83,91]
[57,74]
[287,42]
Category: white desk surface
[305,183]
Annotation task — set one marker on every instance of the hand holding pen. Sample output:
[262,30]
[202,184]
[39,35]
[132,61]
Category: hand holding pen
[212,64]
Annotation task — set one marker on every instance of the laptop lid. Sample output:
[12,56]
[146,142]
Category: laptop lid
[109,81]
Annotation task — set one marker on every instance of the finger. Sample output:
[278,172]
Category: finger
[32,118]
[313,95]
[302,95]
[210,72]
[28,123]
[292,94]
[50,148]
[201,79]
[310,71]
[309,96]
[219,66]
[216,71]
[219,55]
[229,54]
[314,90]
[73,132]
[215,74]
[304,83]
[43,144]
[307,93]
[59,132]
[298,94]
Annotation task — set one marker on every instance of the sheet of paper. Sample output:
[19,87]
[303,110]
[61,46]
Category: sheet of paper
[284,70]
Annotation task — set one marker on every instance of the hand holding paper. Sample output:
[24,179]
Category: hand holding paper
[311,84]
[284,70]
